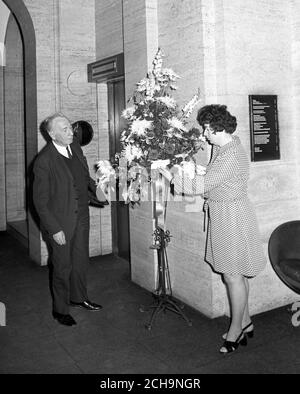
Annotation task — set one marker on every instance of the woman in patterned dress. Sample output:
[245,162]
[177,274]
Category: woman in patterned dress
[233,246]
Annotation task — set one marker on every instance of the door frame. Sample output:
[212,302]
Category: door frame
[25,23]
[110,70]
[117,211]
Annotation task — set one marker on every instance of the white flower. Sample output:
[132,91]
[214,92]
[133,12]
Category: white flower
[128,112]
[170,74]
[170,132]
[139,127]
[167,100]
[104,168]
[142,85]
[159,164]
[188,168]
[189,107]
[148,85]
[157,87]
[123,138]
[150,88]
[104,174]
[125,196]
[178,135]
[132,152]
[133,194]
[201,170]
[157,62]
[202,138]
[176,123]
[183,155]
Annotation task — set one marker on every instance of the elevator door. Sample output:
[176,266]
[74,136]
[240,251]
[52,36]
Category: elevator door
[120,211]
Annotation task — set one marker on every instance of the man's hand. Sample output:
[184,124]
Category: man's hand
[60,238]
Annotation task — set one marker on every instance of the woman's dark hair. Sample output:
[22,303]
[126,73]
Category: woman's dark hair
[217,117]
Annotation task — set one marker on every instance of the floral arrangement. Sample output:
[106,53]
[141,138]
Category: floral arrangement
[156,134]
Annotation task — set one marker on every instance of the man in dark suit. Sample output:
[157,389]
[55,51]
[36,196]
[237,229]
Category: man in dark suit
[61,196]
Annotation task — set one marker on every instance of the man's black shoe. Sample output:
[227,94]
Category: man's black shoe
[90,306]
[66,320]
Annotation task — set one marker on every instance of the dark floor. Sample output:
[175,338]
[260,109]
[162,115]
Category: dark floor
[115,340]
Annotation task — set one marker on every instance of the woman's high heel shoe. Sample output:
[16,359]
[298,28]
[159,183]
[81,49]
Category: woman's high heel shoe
[231,346]
[250,334]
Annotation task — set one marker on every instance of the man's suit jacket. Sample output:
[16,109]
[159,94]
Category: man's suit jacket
[54,194]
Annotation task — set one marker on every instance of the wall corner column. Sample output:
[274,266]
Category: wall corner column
[140,37]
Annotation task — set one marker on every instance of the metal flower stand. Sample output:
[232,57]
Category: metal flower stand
[163,294]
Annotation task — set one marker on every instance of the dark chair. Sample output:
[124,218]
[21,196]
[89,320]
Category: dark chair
[284,253]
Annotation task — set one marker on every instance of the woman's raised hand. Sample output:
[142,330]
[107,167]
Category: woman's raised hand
[200,170]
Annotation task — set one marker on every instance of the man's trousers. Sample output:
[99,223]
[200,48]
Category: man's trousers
[70,264]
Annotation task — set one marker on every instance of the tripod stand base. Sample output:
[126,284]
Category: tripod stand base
[164,303]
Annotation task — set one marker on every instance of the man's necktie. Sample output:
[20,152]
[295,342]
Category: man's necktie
[69,152]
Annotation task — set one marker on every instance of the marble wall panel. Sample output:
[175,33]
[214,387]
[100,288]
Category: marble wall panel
[180,37]
[228,49]
[109,28]
[65,39]
[143,259]
[259,61]
[2,157]
[140,45]
[14,124]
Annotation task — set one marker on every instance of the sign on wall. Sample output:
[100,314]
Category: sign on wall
[264,127]
[110,68]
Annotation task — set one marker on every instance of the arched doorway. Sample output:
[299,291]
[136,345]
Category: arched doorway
[23,20]
[14,133]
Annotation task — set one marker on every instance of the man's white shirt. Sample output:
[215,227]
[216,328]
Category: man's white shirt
[62,149]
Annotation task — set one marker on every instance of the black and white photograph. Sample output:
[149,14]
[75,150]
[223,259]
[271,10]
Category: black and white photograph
[150,191]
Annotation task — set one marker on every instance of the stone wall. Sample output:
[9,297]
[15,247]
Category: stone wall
[4,15]
[140,46]
[2,157]
[14,125]
[109,42]
[235,50]
[109,28]
[64,49]
[180,35]
[229,49]
[65,44]
[258,42]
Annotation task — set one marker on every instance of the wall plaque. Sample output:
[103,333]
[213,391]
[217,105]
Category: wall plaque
[264,127]
[110,68]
